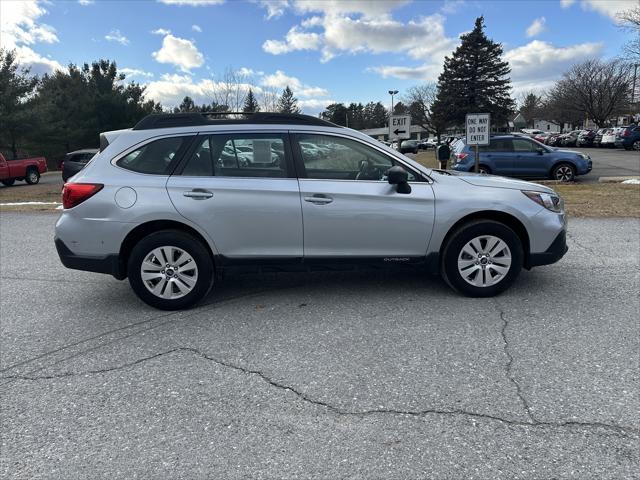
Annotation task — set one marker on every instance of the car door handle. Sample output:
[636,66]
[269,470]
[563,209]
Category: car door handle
[198,194]
[318,199]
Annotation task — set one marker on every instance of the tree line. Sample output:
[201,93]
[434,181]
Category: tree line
[66,110]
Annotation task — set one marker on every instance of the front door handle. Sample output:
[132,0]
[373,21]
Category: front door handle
[198,194]
[318,199]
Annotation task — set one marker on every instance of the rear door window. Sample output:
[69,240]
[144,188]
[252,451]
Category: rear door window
[239,155]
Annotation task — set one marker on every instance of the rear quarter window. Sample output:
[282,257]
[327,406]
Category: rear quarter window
[156,157]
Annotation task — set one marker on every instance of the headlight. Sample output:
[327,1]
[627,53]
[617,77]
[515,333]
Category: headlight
[550,201]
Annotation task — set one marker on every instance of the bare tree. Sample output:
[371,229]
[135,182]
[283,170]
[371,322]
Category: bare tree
[420,99]
[269,97]
[231,90]
[595,89]
[630,20]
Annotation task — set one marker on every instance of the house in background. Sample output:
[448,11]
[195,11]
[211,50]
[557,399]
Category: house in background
[546,126]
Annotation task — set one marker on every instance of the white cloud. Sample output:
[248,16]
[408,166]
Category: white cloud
[451,6]
[193,3]
[179,52]
[423,72]
[313,106]
[20,28]
[537,64]
[609,8]
[536,27]
[294,40]
[280,80]
[116,36]
[196,28]
[135,72]
[86,2]
[170,89]
[161,31]
[275,8]
[367,8]
[423,38]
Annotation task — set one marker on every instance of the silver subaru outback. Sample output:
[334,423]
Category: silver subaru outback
[180,198]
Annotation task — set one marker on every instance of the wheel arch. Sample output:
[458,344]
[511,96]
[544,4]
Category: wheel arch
[507,219]
[147,228]
[563,161]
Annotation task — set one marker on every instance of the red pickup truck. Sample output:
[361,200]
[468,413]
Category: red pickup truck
[27,169]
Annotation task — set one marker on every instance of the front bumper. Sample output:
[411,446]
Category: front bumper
[110,264]
[555,252]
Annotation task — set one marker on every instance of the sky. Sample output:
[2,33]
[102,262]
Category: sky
[326,50]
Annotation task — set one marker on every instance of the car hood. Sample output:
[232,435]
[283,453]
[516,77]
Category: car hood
[565,152]
[495,181]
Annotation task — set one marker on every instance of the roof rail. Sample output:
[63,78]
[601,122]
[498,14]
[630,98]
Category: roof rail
[170,120]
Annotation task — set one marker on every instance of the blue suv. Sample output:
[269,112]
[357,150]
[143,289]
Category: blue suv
[520,156]
[629,138]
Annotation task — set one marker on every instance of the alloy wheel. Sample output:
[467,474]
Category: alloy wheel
[484,261]
[564,173]
[169,272]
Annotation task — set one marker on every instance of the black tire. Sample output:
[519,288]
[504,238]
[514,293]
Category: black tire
[190,245]
[8,182]
[636,145]
[563,172]
[33,176]
[461,237]
[481,169]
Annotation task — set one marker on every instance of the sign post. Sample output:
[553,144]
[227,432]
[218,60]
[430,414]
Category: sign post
[399,128]
[478,127]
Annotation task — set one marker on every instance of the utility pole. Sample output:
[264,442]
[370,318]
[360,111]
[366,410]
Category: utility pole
[392,93]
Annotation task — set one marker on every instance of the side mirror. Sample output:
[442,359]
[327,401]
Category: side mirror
[540,151]
[399,176]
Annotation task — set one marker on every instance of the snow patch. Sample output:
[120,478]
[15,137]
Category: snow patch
[632,181]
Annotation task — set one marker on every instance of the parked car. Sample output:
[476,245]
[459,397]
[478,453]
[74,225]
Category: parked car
[409,146]
[518,156]
[427,144]
[531,132]
[629,138]
[540,137]
[189,219]
[598,137]
[585,138]
[75,161]
[27,169]
[570,139]
[609,138]
[553,139]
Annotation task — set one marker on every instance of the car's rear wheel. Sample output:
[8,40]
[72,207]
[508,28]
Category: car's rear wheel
[482,258]
[170,270]
[9,182]
[636,145]
[563,172]
[482,169]
[32,177]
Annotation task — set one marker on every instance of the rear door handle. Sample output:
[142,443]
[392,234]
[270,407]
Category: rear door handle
[198,194]
[318,199]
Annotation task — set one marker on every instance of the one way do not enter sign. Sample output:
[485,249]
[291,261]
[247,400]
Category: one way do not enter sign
[399,127]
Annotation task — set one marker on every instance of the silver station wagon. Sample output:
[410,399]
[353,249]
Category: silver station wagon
[180,198]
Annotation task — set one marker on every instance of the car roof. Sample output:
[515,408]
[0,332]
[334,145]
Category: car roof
[84,150]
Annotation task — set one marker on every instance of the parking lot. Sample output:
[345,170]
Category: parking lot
[611,162]
[387,375]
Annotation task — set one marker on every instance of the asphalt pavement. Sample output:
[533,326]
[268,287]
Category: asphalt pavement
[610,162]
[322,375]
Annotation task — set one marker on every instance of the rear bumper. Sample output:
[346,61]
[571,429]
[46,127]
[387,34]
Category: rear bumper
[555,252]
[110,264]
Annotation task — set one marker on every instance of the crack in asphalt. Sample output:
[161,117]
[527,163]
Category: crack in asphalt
[509,365]
[588,249]
[617,429]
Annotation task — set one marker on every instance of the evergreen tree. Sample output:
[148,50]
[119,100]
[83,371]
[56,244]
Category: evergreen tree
[400,109]
[15,87]
[250,103]
[336,113]
[474,79]
[288,103]
[187,105]
[531,108]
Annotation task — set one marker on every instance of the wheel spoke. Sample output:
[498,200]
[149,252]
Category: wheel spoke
[484,266]
[159,287]
[465,263]
[146,276]
[499,269]
[475,243]
[169,272]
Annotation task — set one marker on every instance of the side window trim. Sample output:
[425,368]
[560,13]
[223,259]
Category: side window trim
[301,169]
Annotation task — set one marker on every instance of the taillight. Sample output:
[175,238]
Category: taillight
[75,193]
[461,156]
[626,133]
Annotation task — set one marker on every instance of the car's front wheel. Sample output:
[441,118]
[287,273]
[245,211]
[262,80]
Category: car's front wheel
[8,182]
[563,172]
[170,270]
[482,258]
